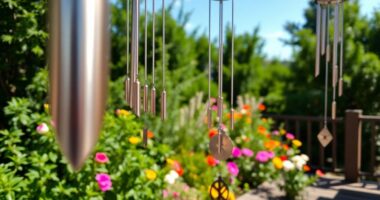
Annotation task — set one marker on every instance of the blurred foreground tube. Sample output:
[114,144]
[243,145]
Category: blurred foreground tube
[78,61]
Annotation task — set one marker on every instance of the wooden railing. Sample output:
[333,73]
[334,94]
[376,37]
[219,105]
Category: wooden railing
[344,154]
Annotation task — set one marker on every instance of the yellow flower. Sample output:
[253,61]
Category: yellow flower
[46,107]
[282,131]
[150,174]
[264,120]
[277,162]
[122,113]
[134,140]
[170,161]
[297,143]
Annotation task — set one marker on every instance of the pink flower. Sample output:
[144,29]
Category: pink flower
[165,193]
[42,128]
[233,168]
[236,152]
[247,152]
[186,188]
[264,156]
[175,194]
[213,100]
[104,181]
[289,136]
[214,108]
[101,157]
[276,132]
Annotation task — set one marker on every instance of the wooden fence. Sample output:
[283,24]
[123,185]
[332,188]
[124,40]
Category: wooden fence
[345,153]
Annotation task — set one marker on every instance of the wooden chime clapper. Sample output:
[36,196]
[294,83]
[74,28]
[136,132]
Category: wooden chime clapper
[78,61]
[323,48]
[220,145]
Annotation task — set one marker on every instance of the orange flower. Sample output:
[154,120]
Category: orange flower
[212,132]
[211,161]
[262,130]
[271,144]
[261,107]
[237,115]
[306,168]
[150,134]
[248,120]
[286,147]
[265,120]
[246,107]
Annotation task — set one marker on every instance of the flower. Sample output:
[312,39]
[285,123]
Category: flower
[211,161]
[297,143]
[214,107]
[271,144]
[233,168]
[319,173]
[134,140]
[288,165]
[165,193]
[306,168]
[247,152]
[171,177]
[236,152]
[277,162]
[262,130]
[150,134]
[46,107]
[282,131]
[101,157]
[289,136]
[42,128]
[283,158]
[212,132]
[104,181]
[176,166]
[276,132]
[122,113]
[261,107]
[264,156]
[150,174]
[305,157]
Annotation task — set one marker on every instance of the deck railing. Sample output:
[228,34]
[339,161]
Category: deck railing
[344,154]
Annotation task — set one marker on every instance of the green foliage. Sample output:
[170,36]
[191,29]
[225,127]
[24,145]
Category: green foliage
[32,166]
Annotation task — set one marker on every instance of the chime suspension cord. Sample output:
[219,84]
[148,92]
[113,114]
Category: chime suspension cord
[209,54]
[220,67]
[153,43]
[341,48]
[232,54]
[128,37]
[163,44]
[327,62]
[146,45]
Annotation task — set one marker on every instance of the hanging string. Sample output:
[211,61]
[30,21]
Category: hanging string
[232,54]
[163,44]
[146,45]
[327,63]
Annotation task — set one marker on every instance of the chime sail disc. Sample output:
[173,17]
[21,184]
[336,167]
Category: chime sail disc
[325,137]
[225,150]
[219,190]
[79,51]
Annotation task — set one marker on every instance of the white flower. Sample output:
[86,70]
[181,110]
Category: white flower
[42,128]
[305,157]
[171,177]
[300,164]
[288,165]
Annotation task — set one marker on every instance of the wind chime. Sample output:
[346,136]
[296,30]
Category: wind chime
[323,49]
[220,145]
[78,61]
[132,84]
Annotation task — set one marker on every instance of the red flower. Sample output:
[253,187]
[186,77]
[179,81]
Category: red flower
[177,167]
[306,168]
[319,173]
[150,134]
[211,161]
[283,158]
[212,132]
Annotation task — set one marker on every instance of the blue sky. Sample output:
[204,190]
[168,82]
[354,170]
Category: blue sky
[270,15]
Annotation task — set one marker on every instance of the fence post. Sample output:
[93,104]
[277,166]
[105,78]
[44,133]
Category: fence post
[353,142]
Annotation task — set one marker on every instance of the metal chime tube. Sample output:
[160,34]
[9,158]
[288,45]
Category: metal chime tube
[323,30]
[335,59]
[232,111]
[209,111]
[153,90]
[220,74]
[146,87]
[163,95]
[135,57]
[78,61]
[127,79]
[318,46]
[341,5]
[326,68]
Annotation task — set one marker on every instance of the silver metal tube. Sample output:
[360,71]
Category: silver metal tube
[135,48]
[127,88]
[153,101]
[220,66]
[163,106]
[78,61]
[318,36]
[146,98]
[232,119]
[324,13]
[341,48]
[335,46]
[137,99]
